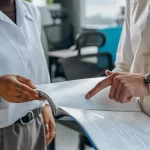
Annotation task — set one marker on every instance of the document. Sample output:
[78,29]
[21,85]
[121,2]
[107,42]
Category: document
[109,130]
[72,94]
[107,124]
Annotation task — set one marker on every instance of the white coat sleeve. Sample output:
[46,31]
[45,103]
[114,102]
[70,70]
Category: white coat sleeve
[124,56]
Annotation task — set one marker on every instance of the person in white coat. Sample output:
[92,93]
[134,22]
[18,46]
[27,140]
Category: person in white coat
[133,58]
[26,120]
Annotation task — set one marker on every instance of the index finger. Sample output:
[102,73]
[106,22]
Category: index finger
[100,86]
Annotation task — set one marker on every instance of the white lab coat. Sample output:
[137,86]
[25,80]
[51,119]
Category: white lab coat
[134,49]
[21,53]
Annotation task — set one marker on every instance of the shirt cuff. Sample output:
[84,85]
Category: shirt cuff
[45,103]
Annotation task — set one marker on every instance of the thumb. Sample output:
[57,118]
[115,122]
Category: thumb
[108,73]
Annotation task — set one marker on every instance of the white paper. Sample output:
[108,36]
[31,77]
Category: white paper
[115,130]
[72,94]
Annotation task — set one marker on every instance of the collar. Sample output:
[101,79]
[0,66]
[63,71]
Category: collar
[21,5]
[22,11]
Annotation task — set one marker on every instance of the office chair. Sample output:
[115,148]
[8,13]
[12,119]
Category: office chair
[85,66]
[89,39]
[59,36]
[85,39]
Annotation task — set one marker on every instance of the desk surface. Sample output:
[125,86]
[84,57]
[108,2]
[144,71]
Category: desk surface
[70,53]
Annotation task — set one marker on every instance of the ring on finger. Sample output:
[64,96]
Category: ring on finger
[19,94]
[18,87]
[46,127]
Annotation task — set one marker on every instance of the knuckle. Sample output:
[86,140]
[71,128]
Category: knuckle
[28,81]
[110,96]
[115,73]
[116,79]
[121,82]
[29,93]
[17,76]
[120,85]
[125,88]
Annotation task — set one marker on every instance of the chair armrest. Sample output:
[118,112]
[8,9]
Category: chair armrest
[101,54]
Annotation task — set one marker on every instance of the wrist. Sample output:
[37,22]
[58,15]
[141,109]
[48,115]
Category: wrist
[46,108]
[45,105]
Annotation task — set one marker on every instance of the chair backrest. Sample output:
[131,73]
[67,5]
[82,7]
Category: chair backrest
[87,39]
[112,35]
[59,36]
[59,14]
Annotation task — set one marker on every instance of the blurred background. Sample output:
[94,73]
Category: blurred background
[80,40]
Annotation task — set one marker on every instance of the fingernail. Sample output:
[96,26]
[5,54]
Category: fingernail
[34,86]
[88,96]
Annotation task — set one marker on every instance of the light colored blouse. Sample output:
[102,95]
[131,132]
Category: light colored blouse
[21,53]
[134,49]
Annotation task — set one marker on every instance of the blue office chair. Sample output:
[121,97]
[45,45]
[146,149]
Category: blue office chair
[112,40]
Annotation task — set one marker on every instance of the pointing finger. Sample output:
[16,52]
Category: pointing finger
[100,86]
